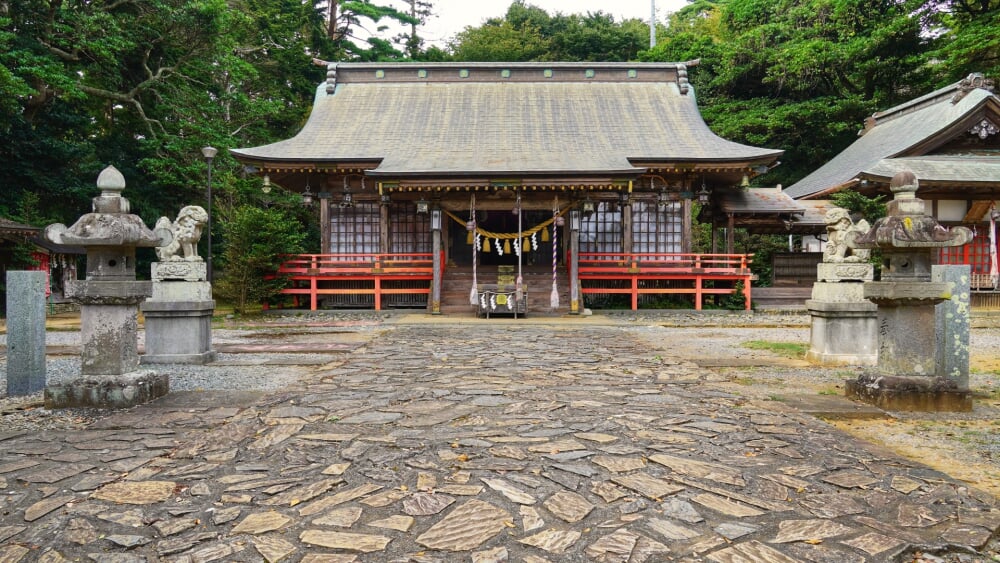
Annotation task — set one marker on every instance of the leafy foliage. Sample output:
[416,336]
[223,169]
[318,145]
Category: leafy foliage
[529,33]
[256,241]
[860,206]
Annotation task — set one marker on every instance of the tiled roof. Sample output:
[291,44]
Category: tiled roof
[906,130]
[8,226]
[770,201]
[525,118]
[967,170]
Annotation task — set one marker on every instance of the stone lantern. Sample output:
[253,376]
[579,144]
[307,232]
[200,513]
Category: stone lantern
[109,298]
[908,377]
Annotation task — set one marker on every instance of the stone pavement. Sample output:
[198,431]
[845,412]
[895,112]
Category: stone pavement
[481,442]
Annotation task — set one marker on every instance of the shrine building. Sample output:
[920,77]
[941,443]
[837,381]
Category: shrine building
[950,139]
[509,187]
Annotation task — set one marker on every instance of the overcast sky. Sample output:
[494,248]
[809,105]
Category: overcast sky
[453,16]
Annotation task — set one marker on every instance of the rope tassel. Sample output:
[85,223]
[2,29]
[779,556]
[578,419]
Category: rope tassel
[554,297]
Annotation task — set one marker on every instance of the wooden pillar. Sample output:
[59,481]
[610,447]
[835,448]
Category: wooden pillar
[626,209]
[731,234]
[686,245]
[325,227]
[436,249]
[383,227]
[715,238]
[574,262]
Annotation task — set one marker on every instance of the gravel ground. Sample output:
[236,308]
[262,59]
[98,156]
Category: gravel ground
[244,372]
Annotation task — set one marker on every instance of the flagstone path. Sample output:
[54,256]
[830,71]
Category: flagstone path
[481,443]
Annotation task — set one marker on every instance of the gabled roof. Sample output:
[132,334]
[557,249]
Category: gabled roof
[454,119]
[911,129]
[759,201]
[8,227]
[939,169]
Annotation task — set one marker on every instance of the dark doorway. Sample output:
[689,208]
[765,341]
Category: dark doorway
[503,222]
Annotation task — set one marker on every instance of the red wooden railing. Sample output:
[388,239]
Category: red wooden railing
[636,270]
[306,271]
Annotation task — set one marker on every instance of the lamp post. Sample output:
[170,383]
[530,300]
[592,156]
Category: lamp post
[209,154]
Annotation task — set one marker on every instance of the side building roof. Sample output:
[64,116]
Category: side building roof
[461,119]
[908,130]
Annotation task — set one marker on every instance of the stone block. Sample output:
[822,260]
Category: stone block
[906,340]
[900,293]
[952,318]
[119,292]
[839,292]
[912,394]
[181,291]
[844,271]
[108,391]
[184,270]
[178,332]
[843,334]
[25,332]
[109,336]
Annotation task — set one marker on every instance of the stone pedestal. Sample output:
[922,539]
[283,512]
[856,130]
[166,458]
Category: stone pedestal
[179,315]
[842,334]
[843,330]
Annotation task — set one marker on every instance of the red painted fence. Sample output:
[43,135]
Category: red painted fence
[641,274]
[306,272]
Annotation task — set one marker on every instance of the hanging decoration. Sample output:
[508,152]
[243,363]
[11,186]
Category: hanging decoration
[486,245]
[474,238]
[554,296]
[517,242]
[541,227]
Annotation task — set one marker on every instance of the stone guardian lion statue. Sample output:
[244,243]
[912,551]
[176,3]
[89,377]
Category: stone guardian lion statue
[841,232]
[187,232]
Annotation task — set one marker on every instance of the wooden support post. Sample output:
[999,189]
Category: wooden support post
[635,293]
[325,227]
[697,293]
[383,228]
[626,210]
[436,280]
[731,234]
[686,243]
[574,263]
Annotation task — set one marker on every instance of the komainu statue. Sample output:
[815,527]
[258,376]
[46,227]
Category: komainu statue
[840,232]
[187,232]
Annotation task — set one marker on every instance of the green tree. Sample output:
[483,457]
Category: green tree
[799,74]
[968,39]
[257,239]
[529,33]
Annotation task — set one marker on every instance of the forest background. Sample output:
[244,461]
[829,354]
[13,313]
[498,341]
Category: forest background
[144,84]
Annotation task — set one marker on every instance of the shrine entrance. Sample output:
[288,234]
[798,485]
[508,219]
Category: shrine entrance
[537,245]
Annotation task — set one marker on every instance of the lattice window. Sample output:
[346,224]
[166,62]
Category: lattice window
[654,230]
[355,230]
[409,231]
[602,230]
[976,254]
